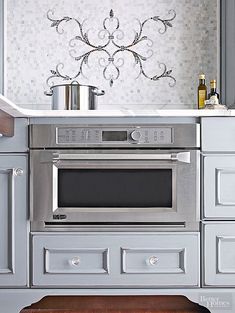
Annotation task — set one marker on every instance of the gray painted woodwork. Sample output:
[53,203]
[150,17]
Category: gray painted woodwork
[107,120]
[1,46]
[227,52]
[116,260]
[19,142]
[219,182]
[12,301]
[13,217]
[218,134]
[219,251]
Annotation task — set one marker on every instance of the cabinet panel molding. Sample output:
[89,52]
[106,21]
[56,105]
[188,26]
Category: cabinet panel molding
[225,254]
[13,220]
[151,261]
[76,261]
[7,176]
[225,180]
[219,252]
[219,182]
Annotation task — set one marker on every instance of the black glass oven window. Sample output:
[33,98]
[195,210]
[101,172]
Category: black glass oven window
[115,188]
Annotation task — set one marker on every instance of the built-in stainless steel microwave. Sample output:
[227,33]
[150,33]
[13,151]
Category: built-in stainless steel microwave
[114,185]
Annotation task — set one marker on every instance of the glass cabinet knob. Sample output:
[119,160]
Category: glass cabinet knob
[75,261]
[153,260]
[18,172]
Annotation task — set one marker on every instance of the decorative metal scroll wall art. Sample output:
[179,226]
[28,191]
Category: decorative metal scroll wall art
[110,50]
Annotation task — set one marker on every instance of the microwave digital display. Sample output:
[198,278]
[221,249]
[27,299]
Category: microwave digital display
[114,135]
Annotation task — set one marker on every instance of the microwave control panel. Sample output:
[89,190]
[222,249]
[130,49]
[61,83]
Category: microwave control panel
[105,136]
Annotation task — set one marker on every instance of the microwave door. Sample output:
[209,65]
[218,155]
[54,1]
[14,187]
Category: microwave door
[115,183]
[126,186]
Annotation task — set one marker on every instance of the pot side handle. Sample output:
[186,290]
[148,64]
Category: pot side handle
[98,92]
[48,93]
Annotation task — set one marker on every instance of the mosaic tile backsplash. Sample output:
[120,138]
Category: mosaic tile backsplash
[143,53]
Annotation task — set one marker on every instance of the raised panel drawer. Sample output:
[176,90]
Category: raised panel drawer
[116,260]
[218,134]
[219,182]
[153,261]
[219,250]
[76,261]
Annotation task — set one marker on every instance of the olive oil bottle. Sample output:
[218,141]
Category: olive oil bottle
[202,92]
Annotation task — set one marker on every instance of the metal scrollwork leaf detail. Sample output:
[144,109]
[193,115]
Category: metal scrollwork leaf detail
[110,61]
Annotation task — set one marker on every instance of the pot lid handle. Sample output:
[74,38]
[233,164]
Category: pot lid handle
[75,82]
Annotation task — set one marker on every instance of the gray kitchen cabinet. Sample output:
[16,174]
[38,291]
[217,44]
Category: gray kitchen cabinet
[218,134]
[115,260]
[219,182]
[19,142]
[219,252]
[13,217]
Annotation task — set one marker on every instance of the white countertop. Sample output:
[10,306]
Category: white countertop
[16,111]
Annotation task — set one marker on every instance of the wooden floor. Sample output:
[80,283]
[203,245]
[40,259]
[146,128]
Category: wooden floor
[115,304]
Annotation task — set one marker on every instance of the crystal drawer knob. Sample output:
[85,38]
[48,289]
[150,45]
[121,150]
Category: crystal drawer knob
[75,261]
[18,172]
[153,260]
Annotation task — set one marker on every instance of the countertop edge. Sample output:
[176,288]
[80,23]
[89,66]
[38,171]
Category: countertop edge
[10,108]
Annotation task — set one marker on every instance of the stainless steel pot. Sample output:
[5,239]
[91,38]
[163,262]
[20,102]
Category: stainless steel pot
[74,96]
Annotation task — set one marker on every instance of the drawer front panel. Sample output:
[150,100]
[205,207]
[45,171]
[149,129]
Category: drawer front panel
[167,261]
[116,260]
[164,260]
[70,260]
[218,134]
[220,254]
[219,182]
[83,261]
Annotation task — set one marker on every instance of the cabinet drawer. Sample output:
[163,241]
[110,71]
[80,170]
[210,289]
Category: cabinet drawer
[219,251]
[152,261]
[116,260]
[218,134]
[76,261]
[219,182]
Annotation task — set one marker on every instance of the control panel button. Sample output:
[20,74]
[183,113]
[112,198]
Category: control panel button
[136,135]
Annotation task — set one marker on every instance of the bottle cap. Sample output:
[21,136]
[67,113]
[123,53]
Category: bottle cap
[202,76]
[213,83]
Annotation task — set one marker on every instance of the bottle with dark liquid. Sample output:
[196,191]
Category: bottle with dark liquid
[202,92]
[213,90]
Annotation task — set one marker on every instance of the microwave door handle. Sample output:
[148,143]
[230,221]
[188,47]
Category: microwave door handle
[183,157]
